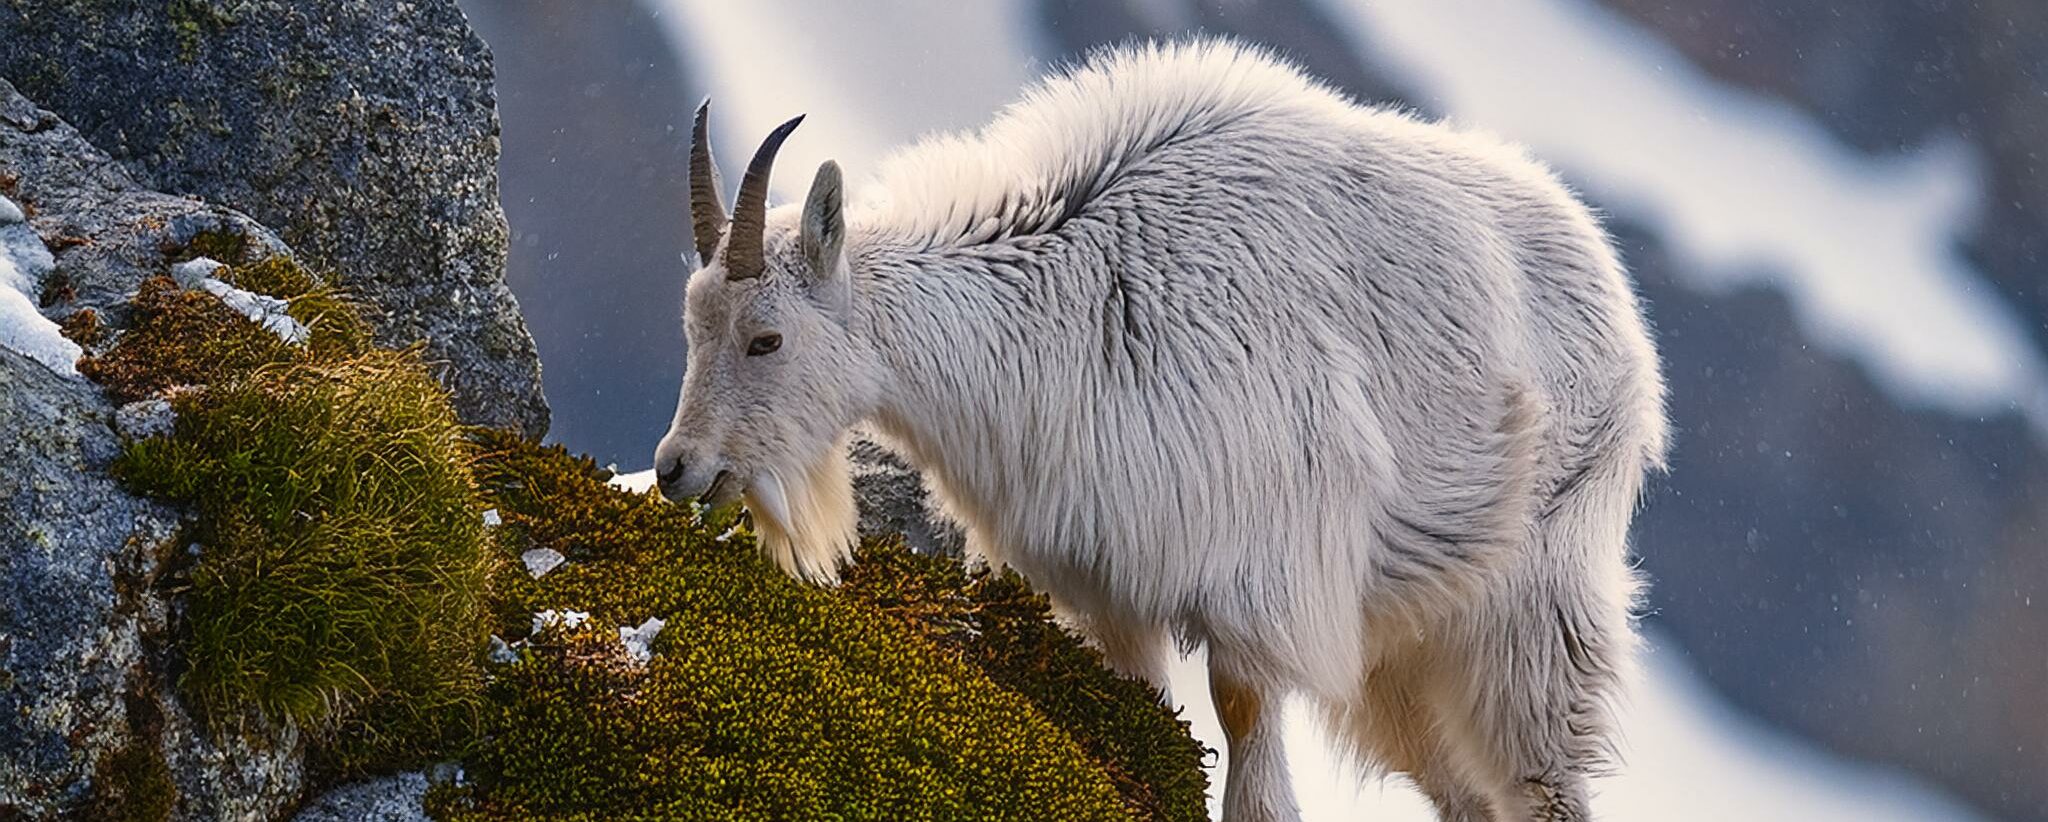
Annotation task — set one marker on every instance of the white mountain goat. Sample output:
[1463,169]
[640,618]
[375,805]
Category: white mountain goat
[1211,354]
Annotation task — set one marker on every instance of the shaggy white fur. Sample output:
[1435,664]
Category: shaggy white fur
[1212,354]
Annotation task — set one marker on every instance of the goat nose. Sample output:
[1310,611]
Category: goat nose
[672,475]
[668,479]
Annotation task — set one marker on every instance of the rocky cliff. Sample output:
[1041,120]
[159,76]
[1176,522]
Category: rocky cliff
[365,132]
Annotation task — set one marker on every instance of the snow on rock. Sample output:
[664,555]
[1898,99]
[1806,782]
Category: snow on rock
[540,561]
[192,272]
[264,310]
[23,262]
[502,652]
[639,641]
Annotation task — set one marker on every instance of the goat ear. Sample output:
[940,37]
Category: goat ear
[824,225]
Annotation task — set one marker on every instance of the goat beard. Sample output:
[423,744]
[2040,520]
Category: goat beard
[808,520]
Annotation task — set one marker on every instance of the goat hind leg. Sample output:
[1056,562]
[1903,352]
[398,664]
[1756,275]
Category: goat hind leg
[1257,788]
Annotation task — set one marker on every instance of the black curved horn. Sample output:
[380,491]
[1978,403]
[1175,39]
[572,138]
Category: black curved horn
[743,259]
[707,192]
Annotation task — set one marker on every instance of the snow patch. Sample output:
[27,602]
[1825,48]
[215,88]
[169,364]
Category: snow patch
[1745,188]
[492,518]
[264,310]
[540,561]
[502,653]
[638,482]
[639,641]
[568,620]
[24,261]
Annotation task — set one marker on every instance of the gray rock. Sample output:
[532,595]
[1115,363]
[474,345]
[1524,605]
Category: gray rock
[107,232]
[365,131]
[88,714]
[143,419]
[892,501]
[394,798]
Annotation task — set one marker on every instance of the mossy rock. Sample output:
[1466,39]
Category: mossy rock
[346,581]
[771,699]
[340,580]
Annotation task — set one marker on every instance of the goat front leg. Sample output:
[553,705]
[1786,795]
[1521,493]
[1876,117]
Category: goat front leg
[1257,789]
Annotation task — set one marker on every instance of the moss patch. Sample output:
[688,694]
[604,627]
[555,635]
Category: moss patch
[227,246]
[995,621]
[340,543]
[179,338]
[189,338]
[134,783]
[765,699]
[341,581]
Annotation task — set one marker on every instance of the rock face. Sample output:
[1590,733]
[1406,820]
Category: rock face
[394,798]
[89,724]
[70,648]
[892,501]
[364,131]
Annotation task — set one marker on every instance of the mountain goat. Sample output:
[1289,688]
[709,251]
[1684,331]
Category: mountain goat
[1211,354]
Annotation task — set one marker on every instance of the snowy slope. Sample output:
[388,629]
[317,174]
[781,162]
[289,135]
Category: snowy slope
[23,262]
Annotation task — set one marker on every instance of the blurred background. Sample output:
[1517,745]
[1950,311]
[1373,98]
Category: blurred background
[1837,211]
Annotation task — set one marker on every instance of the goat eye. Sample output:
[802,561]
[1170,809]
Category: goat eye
[764,344]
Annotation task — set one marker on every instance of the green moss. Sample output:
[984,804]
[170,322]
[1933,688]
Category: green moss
[138,786]
[133,784]
[189,338]
[766,698]
[180,338]
[341,582]
[336,323]
[227,246]
[341,549]
[193,20]
[996,621]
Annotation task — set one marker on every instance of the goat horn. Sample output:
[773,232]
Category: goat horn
[743,258]
[707,192]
